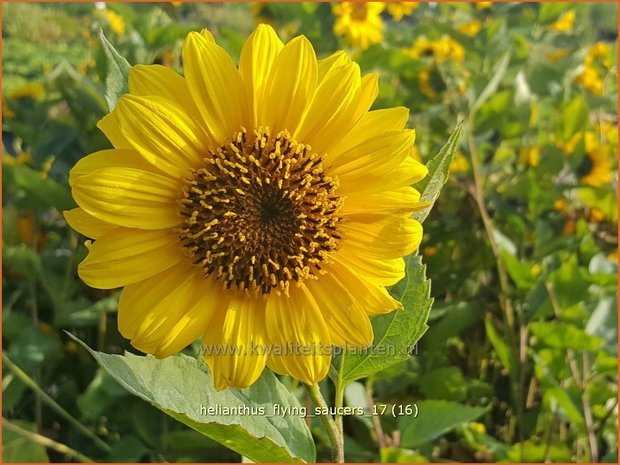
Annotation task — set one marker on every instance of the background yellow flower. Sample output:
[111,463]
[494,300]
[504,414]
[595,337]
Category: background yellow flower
[359,22]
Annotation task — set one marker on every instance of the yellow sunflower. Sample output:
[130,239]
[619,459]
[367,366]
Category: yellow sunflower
[359,22]
[601,160]
[398,10]
[262,207]
[565,22]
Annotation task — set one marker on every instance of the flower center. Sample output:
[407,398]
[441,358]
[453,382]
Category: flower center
[260,213]
[359,11]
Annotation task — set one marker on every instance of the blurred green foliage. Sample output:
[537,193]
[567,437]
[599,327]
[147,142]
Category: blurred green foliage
[520,361]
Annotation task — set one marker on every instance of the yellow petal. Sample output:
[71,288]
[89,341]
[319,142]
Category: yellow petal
[372,124]
[335,60]
[215,85]
[291,87]
[126,256]
[164,134]
[397,202]
[112,130]
[163,82]
[234,344]
[257,58]
[346,319]
[128,197]
[298,335]
[389,237]
[405,174]
[368,94]
[330,115]
[112,158]
[168,311]
[381,272]
[207,35]
[372,158]
[86,224]
[372,298]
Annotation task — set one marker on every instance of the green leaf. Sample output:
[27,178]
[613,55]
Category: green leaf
[443,383]
[179,387]
[563,400]
[456,318]
[550,11]
[501,348]
[117,73]
[438,171]
[396,332]
[491,87]
[42,192]
[538,452]
[435,417]
[23,261]
[604,322]
[129,450]
[18,449]
[355,396]
[99,396]
[520,273]
[397,455]
[564,336]
[574,117]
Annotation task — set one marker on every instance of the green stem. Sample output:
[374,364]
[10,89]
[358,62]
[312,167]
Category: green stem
[517,346]
[46,442]
[376,421]
[28,381]
[339,398]
[332,431]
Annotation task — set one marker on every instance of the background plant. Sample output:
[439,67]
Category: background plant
[520,359]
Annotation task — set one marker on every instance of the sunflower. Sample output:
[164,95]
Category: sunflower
[262,207]
[398,10]
[565,22]
[359,22]
[600,160]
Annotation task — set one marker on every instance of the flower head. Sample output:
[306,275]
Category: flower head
[556,55]
[443,49]
[460,163]
[471,28]
[590,79]
[398,10]
[261,206]
[359,22]
[424,81]
[116,21]
[483,5]
[600,159]
[565,22]
[530,156]
[29,91]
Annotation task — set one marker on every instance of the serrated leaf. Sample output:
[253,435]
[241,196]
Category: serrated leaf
[435,417]
[396,332]
[179,387]
[117,74]
[438,171]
